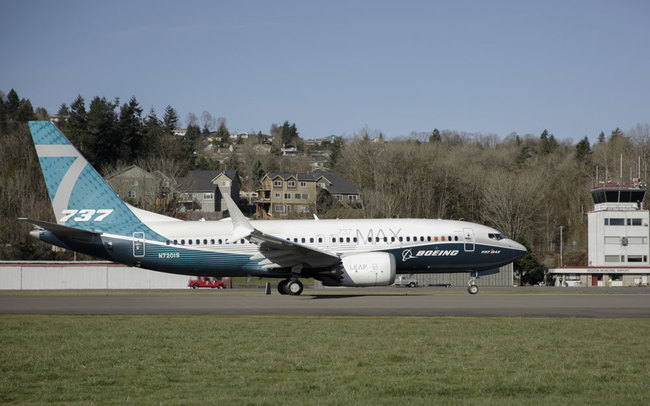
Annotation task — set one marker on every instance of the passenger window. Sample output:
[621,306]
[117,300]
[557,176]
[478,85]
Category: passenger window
[392,239]
[429,238]
[205,242]
[385,239]
[400,239]
[189,242]
[311,239]
[408,238]
[175,242]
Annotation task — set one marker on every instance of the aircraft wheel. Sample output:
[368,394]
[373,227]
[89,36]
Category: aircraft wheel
[282,286]
[472,289]
[195,286]
[294,288]
[220,287]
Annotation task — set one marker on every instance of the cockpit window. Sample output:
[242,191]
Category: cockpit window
[496,236]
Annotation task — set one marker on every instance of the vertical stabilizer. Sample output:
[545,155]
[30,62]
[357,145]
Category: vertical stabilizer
[80,197]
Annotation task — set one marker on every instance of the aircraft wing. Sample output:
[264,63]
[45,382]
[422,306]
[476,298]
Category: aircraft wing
[62,230]
[279,253]
[276,252]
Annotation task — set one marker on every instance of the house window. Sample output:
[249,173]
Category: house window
[278,194]
[303,184]
[305,196]
[225,183]
[298,196]
[291,183]
[135,183]
[633,222]
[338,197]
[279,208]
[301,208]
[277,183]
[614,222]
[132,194]
[287,196]
[207,196]
[353,197]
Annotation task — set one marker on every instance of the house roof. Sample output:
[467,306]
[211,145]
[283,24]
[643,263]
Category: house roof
[338,184]
[201,181]
[136,171]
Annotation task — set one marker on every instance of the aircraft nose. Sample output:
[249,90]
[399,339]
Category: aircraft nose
[519,248]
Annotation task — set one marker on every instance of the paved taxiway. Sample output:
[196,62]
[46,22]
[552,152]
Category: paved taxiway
[634,303]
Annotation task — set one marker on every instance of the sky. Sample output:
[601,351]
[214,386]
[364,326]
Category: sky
[573,67]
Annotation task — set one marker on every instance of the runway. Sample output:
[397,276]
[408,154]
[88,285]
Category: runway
[630,303]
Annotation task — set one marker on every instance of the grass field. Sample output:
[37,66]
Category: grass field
[322,360]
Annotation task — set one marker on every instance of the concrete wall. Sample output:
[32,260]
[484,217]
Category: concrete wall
[501,279]
[84,275]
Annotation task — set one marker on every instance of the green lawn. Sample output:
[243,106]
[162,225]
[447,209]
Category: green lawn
[323,360]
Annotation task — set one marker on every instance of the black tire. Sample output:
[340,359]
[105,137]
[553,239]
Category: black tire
[221,287]
[282,287]
[472,289]
[195,286]
[412,285]
[294,288]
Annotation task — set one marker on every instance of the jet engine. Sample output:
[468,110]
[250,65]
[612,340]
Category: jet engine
[369,269]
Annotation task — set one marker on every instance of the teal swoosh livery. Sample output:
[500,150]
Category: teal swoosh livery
[92,219]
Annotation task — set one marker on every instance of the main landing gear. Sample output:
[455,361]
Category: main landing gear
[472,287]
[290,287]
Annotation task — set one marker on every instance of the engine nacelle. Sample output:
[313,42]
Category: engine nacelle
[370,269]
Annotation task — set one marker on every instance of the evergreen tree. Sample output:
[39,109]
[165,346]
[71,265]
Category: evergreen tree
[63,110]
[223,135]
[601,137]
[76,127]
[544,146]
[131,131]
[289,134]
[152,131]
[105,141]
[25,111]
[616,134]
[257,172]
[435,136]
[583,151]
[13,102]
[170,119]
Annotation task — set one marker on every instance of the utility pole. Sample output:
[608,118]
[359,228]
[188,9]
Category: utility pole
[561,245]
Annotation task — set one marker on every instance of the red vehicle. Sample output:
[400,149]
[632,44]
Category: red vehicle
[206,283]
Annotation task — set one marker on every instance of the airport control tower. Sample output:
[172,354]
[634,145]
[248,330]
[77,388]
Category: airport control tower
[618,225]
[619,246]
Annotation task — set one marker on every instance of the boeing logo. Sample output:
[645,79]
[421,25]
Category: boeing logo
[408,254]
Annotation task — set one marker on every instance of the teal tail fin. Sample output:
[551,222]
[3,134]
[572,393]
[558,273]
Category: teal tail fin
[80,197]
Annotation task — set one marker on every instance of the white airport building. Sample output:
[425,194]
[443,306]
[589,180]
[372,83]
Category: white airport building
[619,246]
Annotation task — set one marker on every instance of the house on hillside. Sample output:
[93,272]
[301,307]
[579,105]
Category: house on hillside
[136,186]
[199,190]
[295,194]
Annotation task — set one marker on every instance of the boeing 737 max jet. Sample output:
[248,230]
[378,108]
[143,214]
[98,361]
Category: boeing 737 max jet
[92,219]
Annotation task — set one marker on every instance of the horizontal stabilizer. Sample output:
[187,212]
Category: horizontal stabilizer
[61,230]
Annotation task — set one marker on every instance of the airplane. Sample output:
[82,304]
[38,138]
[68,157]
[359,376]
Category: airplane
[92,219]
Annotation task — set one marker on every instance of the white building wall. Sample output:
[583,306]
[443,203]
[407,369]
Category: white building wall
[85,275]
[606,240]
